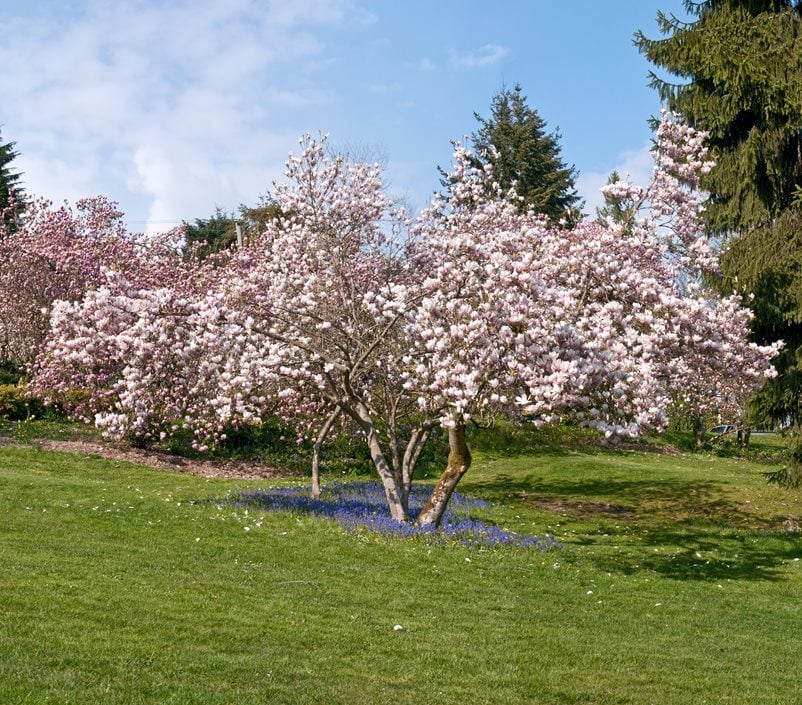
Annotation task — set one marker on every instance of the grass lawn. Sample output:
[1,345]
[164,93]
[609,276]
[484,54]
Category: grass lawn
[676,583]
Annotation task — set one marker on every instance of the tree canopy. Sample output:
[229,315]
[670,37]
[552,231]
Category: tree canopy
[473,310]
[515,141]
[219,232]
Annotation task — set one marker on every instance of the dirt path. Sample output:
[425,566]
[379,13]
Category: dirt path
[240,469]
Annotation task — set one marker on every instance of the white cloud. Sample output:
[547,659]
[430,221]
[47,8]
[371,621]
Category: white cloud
[169,108]
[633,165]
[385,88]
[485,55]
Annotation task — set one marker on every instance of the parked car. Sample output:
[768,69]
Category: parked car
[722,428]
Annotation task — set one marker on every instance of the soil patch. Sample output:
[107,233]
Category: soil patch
[580,508]
[203,467]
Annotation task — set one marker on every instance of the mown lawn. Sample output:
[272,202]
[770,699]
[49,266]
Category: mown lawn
[676,583]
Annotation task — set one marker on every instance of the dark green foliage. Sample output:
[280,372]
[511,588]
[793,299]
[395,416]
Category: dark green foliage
[739,66]
[767,264]
[12,199]
[9,373]
[219,232]
[212,234]
[789,476]
[277,444]
[613,212]
[514,140]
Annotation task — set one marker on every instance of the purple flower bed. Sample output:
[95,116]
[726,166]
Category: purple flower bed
[361,506]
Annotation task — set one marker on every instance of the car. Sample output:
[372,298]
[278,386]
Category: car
[722,428]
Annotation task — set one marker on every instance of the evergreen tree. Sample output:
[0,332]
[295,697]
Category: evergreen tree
[739,71]
[212,234]
[12,199]
[219,232]
[514,140]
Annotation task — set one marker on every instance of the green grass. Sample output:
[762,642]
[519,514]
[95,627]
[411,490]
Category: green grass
[677,584]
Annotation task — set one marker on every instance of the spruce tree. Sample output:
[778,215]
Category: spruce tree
[515,141]
[12,199]
[736,72]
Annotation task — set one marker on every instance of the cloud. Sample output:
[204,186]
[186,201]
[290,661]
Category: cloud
[385,88]
[485,55]
[169,108]
[634,165]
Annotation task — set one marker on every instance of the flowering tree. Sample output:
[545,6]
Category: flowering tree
[342,309]
[151,363]
[716,368]
[329,283]
[535,323]
[58,254]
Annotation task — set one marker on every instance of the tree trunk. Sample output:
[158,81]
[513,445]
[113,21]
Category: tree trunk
[316,451]
[698,423]
[743,436]
[417,441]
[395,497]
[459,460]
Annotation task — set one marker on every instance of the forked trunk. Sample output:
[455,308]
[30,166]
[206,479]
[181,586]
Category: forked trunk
[459,460]
[321,437]
[744,434]
[396,498]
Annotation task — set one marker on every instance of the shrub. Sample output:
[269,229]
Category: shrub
[9,374]
[16,405]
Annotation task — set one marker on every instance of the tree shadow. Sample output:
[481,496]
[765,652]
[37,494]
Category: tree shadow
[695,553]
[681,530]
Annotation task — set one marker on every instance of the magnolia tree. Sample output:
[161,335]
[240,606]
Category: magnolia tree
[307,318]
[716,369]
[343,310]
[544,324]
[152,363]
[61,252]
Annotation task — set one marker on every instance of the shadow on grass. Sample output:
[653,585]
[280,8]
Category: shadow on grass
[680,530]
[688,552]
[669,499]
[506,441]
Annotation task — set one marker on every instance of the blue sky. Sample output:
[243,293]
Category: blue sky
[174,107]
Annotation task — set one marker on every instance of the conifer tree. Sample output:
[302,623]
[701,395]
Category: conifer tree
[736,72]
[12,201]
[515,141]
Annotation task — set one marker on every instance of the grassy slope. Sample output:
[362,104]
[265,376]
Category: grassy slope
[677,584]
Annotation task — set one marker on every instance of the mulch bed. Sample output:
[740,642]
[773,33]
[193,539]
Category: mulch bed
[203,467]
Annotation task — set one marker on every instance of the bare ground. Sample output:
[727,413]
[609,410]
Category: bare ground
[203,467]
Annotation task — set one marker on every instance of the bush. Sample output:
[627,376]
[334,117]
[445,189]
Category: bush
[16,405]
[9,374]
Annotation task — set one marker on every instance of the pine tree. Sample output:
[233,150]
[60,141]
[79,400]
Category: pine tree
[212,234]
[739,71]
[514,140]
[12,199]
